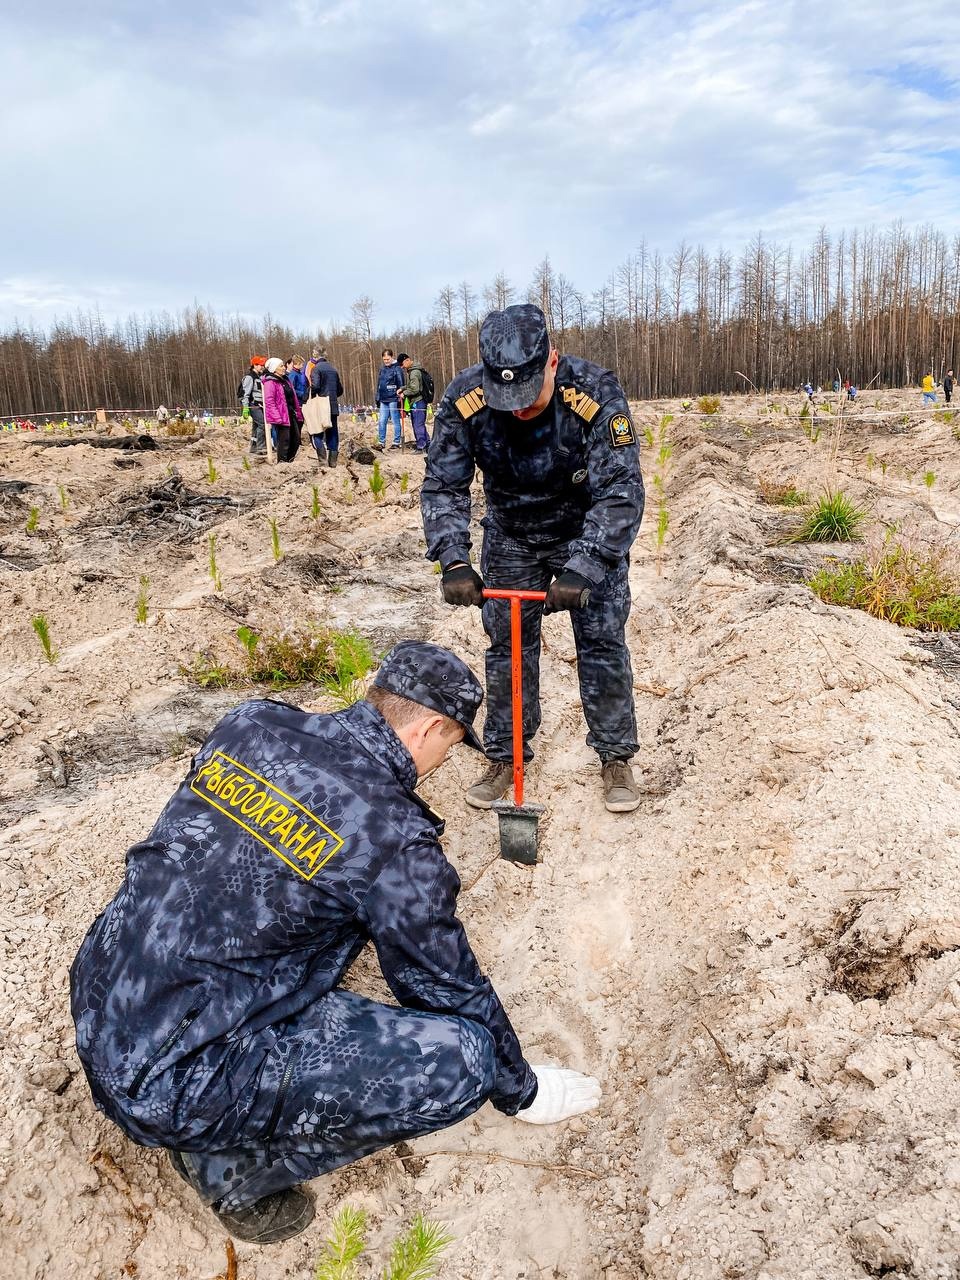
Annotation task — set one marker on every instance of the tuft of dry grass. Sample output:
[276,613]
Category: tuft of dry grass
[781,493]
[338,661]
[909,585]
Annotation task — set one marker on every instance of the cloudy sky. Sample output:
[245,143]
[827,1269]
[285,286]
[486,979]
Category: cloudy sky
[286,157]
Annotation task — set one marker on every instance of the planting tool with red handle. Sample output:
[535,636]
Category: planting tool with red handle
[519,822]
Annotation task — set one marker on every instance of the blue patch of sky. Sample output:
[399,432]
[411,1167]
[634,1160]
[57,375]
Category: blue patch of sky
[923,78]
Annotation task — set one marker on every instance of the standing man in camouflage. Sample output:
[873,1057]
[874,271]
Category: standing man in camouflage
[210,1016]
[561,474]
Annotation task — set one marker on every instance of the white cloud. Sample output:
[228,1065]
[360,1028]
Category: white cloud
[289,157]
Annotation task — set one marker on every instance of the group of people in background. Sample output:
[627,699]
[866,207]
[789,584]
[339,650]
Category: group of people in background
[273,393]
[930,388]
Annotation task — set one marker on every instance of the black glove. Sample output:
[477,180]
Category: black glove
[462,585]
[569,591]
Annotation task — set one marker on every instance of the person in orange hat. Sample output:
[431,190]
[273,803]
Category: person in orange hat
[250,394]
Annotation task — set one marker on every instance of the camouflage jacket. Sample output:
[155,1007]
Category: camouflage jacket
[572,472]
[293,840]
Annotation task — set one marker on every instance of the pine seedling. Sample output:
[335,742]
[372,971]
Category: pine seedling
[211,470]
[142,599]
[214,570]
[416,1254]
[663,524]
[33,520]
[664,454]
[249,639]
[315,504]
[376,482]
[64,497]
[42,627]
[343,1246]
[352,658]
[648,434]
[347,488]
[275,539]
[929,479]
[405,482]
[246,462]
[871,461]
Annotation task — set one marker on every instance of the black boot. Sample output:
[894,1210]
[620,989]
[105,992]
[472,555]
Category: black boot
[268,1220]
[332,457]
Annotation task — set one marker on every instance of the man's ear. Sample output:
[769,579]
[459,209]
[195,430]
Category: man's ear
[423,726]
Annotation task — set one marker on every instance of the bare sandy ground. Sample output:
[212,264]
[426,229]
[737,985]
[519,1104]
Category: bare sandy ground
[762,964]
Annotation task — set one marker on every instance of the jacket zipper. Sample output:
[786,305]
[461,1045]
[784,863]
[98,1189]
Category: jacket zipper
[167,1045]
[288,1071]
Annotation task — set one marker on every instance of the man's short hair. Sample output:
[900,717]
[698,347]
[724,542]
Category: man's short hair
[386,352]
[399,711]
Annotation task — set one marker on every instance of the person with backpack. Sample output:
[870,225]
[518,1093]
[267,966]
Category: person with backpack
[419,392]
[250,395]
[325,381]
[281,409]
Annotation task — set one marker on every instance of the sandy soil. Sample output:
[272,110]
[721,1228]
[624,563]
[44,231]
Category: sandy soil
[762,964]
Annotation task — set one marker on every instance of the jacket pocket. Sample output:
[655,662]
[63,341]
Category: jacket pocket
[282,1089]
[186,1021]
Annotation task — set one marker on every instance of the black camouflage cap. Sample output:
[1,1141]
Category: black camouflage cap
[514,348]
[437,679]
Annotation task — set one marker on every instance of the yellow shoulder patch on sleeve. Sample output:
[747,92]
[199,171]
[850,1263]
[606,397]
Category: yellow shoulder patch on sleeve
[470,403]
[581,404]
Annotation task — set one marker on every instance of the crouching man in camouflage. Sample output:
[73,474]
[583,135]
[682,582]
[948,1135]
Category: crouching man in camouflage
[553,437]
[209,1016]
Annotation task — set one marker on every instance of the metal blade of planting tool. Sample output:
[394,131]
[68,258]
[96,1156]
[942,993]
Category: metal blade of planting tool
[519,822]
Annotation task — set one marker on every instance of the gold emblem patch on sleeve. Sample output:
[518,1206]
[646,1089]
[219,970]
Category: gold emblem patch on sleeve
[621,431]
[470,403]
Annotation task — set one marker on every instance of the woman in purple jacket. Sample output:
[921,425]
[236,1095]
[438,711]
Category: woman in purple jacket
[281,411]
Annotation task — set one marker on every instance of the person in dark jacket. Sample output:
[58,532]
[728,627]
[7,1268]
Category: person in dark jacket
[325,381]
[564,498]
[298,378]
[414,395]
[281,410]
[389,389]
[948,386]
[207,1000]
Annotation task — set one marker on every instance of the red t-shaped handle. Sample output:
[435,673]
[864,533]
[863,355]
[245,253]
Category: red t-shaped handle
[516,672]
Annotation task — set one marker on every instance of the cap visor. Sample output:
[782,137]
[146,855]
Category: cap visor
[470,739]
[498,394]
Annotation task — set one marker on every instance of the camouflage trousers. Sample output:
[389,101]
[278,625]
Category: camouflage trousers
[345,1077]
[603,661]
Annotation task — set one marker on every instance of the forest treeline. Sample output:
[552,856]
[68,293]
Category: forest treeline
[881,307]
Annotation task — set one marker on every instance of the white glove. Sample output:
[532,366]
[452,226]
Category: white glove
[561,1094]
